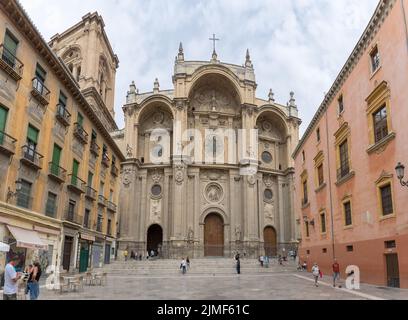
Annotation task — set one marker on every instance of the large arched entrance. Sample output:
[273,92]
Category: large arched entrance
[154,238]
[270,240]
[214,236]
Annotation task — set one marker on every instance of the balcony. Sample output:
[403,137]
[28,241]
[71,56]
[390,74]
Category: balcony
[10,64]
[90,193]
[72,216]
[111,206]
[114,171]
[57,173]
[80,133]
[102,200]
[7,144]
[105,160]
[31,158]
[63,115]
[40,92]
[94,148]
[76,184]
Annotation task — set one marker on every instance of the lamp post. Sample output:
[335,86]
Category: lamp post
[400,169]
[11,194]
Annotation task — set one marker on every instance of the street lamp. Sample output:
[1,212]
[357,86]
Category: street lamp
[400,169]
[11,194]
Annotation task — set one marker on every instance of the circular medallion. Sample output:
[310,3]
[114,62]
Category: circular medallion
[156,190]
[214,193]
[266,157]
[268,195]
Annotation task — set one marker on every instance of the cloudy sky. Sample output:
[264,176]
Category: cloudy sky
[298,45]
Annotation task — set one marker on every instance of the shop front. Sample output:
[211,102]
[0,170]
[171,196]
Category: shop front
[97,253]
[85,251]
[69,252]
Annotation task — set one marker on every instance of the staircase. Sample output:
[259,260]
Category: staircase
[208,266]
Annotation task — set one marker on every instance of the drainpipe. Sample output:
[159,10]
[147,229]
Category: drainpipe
[330,186]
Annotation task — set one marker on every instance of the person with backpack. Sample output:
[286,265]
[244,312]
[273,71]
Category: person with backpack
[33,281]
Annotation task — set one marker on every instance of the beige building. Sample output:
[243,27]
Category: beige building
[59,166]
[186,188]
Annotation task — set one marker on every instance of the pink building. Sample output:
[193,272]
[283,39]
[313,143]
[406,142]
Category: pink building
[350,203]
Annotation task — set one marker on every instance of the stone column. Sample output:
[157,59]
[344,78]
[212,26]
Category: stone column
[281,232]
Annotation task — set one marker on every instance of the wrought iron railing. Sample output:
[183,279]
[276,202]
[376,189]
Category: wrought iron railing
[11,63]
[343,171]
[57,171]
[31,156]
[63,114]
[80,133]
[94,148]
[111,206]
[90,193]
[71,215]
[102,200]
[40,91]
[77,183]
[7,143]
[105,160]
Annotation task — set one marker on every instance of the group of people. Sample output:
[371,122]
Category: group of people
[137,256]
[185,264]
[31,276]
[317,273]
[264,261]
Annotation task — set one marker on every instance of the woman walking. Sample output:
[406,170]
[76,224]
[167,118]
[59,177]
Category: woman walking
[33,281]
[316,273]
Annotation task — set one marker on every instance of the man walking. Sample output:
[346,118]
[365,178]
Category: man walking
[336,272]
[316,273]
[238,259]
[10,280]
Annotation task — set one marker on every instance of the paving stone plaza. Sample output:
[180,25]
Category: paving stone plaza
[217,280]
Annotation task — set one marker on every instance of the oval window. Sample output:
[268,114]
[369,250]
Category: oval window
[266,157]
[268,194]
[156,190]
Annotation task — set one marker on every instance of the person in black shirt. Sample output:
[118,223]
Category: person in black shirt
[33,281]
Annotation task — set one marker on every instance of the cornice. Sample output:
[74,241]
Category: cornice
[367,37]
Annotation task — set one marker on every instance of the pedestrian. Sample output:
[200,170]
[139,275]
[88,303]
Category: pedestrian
[238,259]
[183,266]
[316,273]
[140,257]
[188,262]
[280,260]
[33,281]
[152,253]
[304,266]
[136,256]
[147,255]
[26,276]
[266,262]
[261,259]
[336,272]
[132,255]
[125,254]
[10,280]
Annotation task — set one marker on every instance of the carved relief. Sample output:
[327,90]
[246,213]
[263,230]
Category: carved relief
[251,180]
[127,177]
[209,99]
[179,173]
[155,211]
[214,193]
[268,181]
[269,213]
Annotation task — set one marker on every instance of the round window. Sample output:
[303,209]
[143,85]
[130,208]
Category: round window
[268,194]
[156,190]
[266,157]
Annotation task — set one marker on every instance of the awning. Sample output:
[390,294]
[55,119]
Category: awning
[4,247]
[27,238]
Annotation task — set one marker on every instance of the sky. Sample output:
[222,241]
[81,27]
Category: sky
[295,45]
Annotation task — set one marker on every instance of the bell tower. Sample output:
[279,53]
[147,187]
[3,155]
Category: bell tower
[86,51]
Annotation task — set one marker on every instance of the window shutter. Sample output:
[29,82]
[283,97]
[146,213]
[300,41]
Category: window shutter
[32,134]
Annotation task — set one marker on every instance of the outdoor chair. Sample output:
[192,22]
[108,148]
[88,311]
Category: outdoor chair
[63,284]
[89,279]
[77,284]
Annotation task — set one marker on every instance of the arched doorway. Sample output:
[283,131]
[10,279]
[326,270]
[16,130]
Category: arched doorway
[214,236]
[270,240]
[154,238]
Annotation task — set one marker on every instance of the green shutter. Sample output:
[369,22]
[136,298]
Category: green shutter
[75,168]
[80,119]
[90,179]
[40,73]
[3,118]
[32,134]
[10,43]
[56,158]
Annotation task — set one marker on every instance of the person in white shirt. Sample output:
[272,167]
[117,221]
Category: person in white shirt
[183,266]
[10,280]
[316,273]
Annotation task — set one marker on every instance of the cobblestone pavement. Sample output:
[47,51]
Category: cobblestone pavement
[277,286]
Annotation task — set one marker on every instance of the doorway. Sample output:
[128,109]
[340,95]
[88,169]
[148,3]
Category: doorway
[270,241]
[107,253]
[66,259]
[84,257]
[154,239]
[393,278]
[214,236]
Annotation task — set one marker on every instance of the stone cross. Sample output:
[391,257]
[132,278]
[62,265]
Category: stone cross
[214,39]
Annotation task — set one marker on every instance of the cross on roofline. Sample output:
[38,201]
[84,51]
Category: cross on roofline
[214,39]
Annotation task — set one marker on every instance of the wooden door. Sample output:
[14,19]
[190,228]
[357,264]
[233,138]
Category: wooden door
[393,277]
[66,259]
[214,236]
[84,258]
[270,242]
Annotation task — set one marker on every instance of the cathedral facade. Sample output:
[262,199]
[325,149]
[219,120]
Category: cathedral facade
[209,170]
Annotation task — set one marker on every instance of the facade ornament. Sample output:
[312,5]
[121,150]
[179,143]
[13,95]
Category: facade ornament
[156,177]
[127,177]
[190,235]
[268,180]
[292,101]
[238,233]
[251,180]
[180,56]
[214,192]
[271,96]
[156,88]
[248,62]
[129,151]
[179,175]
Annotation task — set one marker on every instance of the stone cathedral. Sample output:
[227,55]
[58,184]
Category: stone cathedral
[185,190]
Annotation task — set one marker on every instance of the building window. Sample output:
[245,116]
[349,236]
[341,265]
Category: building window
[350,248]
[10,46]
[320,175]
[71,210]
[348,219]
[324,250]
[109,231]
[390,244]
[268,195]
[86,218]
[267,157]
[308,252]
[375,59]
[101,189]
[307,229]
[303,156]
[24,195]
[40,76]
[386,200]
[341,104]
[99,223]
[32,138]
[380,124]
[344,160]
[305,193]
[323,222]
[51,206]
[318,134]
[156,190]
